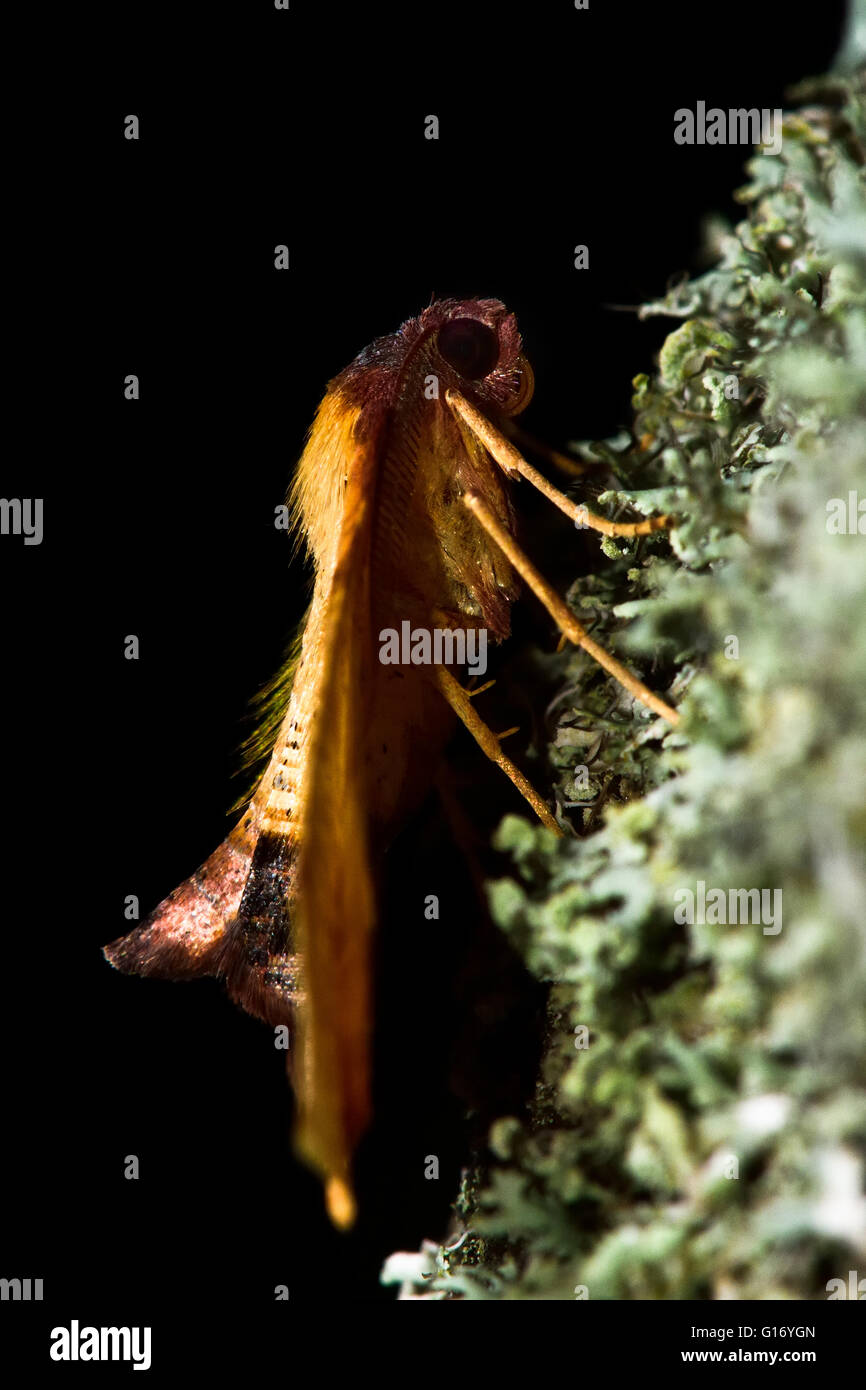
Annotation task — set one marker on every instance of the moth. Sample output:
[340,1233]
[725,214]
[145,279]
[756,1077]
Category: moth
[402,497]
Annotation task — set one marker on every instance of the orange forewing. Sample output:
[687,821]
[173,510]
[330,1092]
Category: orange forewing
[336,903]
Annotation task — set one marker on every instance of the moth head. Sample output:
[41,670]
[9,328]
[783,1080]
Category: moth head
[479,346]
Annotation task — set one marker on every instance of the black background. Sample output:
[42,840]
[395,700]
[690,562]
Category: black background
[257,128]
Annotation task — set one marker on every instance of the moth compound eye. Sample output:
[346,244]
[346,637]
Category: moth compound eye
[468,346]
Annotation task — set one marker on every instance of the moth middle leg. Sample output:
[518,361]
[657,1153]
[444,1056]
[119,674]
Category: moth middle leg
[562,614]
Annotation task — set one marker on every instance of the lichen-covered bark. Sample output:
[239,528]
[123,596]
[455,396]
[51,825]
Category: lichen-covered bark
[708,1140]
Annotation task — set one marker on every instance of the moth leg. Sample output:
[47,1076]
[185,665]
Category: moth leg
[489,743]
[515,465]
[480,689]
[575,467]
[560,612]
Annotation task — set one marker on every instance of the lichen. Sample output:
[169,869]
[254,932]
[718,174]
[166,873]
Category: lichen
[702,1134]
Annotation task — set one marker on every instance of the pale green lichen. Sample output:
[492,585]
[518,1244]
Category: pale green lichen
[710,1048]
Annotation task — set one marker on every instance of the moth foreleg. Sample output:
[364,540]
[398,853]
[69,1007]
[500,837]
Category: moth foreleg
[515,465]
[462,706]
[576,468]
[560,612]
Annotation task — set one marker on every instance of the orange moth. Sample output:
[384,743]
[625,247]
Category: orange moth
[402,497]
